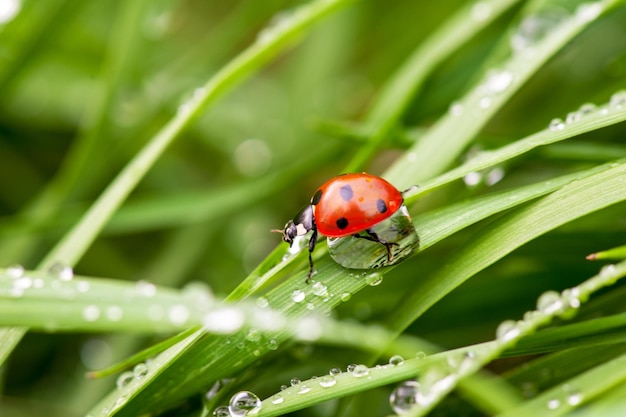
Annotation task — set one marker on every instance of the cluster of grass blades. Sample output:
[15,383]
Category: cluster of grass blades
[520,177]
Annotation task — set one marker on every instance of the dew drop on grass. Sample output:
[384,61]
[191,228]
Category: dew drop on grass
[420,355]
[308,329]
[298,296]
[586,12]
[334,371]
[61,272]
[320,289]
[359,371]
[396,360]
[303,389]
[374,279]
[91,313]
[145,289]
[277,399]
[327,381]
[618,100]
[556,124]
[243,403]
[534,28]
[404,396]
[124,379]
[224,320]
[140,370]
[114,313]
[549,302]
[345,296]
[456,109]
[553,404]
[295,381]
[574,398]
[178,314]
[507,330]
[221,411]
[481,11]
[15,271]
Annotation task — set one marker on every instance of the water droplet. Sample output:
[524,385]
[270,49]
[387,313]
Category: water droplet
[114,313]
[374,279]
[272,344]
[224,320]
[396,360]
[83,286]
[91,313]
[507,330]
[334,371]
[497,81]
[268,320]
[9,9]
[178,314]
[62,272]
[618,100]
[124,379]
[587,109]
[320,289]
[146,289]
[456,109]
[308,329]
[298,296]
[533,28]
[420,355]
[262,302]
[571,298]
[198,294]
[221,411]
[481,11]
[327,381]
[556,124]
[303,389]
[473,179]
[484,102]
[572,117]
[553,404]
[404,396]
[15,271]
[607,270]
[140,370]
[494,176]
[22,283]
[586,12]
[242,403]
[253,335]
[295,381]
[345,296]
[359,371]
[550,302]
[277,399]
[574,398]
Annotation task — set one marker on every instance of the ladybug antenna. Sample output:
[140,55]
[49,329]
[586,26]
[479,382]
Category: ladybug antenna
[276,231]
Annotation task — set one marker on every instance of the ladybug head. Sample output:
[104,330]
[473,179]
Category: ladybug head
[300,225]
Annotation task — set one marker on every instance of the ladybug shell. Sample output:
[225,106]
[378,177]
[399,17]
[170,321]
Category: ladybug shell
[352,203]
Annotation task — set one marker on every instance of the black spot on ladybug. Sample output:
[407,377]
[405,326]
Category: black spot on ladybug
[316,197]
[381,206]
[342,222]
[346,192]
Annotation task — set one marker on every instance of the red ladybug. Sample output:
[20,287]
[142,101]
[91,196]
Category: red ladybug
[346,206]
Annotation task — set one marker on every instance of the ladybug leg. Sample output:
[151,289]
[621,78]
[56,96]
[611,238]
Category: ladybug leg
[373,237]
[312,242]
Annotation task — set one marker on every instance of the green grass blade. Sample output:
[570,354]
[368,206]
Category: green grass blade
[438,148]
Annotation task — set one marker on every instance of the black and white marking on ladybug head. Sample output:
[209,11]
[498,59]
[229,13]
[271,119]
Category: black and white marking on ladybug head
[300,225]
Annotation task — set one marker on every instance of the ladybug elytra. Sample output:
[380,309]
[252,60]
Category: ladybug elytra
[347,205]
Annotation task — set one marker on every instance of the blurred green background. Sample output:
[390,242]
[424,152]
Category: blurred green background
[85,84]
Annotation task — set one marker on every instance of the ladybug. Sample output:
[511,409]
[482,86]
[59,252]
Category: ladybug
[346,205]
